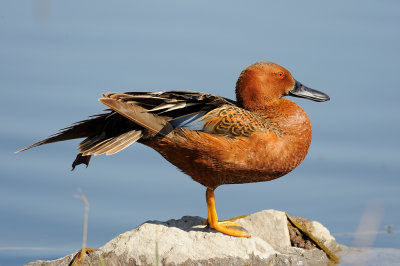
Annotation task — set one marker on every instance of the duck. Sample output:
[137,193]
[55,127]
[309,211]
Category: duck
[215,140]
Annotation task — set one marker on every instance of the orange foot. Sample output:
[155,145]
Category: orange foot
[225,227]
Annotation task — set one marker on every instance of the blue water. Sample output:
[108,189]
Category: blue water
[56,58]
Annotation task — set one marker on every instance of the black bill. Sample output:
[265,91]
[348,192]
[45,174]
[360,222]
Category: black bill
[302,91]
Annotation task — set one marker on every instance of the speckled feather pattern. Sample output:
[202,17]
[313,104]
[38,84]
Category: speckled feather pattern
[233,121]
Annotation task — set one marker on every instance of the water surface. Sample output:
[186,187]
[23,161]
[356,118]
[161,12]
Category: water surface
[56,63]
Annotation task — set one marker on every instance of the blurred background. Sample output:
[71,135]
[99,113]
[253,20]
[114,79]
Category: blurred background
[57,57]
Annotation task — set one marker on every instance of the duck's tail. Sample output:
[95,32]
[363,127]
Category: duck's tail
[106,133]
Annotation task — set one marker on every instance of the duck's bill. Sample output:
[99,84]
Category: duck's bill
[302,91]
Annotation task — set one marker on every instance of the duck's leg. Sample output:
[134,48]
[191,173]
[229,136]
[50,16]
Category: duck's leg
[226,223]
[224,226]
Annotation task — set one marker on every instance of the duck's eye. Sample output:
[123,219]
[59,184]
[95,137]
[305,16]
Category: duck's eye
[280,74]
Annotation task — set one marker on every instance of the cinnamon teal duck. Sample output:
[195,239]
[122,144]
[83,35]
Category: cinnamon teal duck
[259,137]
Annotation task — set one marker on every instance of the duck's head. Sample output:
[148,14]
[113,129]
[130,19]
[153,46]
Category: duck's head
[264,81]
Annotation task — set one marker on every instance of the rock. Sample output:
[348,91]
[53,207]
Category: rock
[188,242]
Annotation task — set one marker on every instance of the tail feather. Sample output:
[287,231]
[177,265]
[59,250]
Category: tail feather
[113,145]
[81,159]
[118,144]
[77,130]
[106,133]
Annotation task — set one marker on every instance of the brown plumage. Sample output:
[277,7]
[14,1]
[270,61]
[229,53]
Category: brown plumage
[214,140]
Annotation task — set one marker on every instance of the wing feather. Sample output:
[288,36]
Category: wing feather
[233,121]
[137,115]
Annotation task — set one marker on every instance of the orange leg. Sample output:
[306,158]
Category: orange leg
[224,226]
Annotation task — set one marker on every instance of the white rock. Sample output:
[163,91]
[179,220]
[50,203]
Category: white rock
[323,233]
[188,242]
[269,225]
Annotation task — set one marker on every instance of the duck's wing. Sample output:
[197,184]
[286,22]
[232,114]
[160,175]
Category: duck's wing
[197,111]
[135,115]
[169,105]
[233,121]
[160,113]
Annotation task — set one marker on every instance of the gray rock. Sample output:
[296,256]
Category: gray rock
[188,242]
